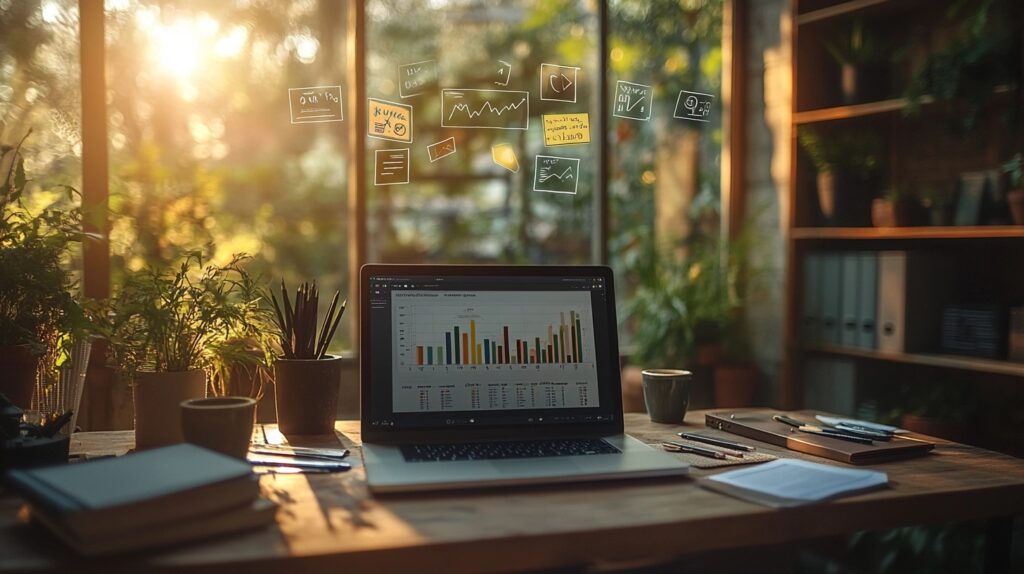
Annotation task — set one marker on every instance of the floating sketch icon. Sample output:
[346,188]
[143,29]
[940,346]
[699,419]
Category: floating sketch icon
[558,83]
[416,78]
[556,174]
[489,109]
[504,73]
[391,166]
[632,101]
[504,155]
[566,129]
[389,121]
[693,106]
[315,104]
[441,149]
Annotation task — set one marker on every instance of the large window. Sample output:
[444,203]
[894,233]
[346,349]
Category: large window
[206,153]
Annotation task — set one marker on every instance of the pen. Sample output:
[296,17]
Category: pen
[833,434]
[679,447]
[715,441]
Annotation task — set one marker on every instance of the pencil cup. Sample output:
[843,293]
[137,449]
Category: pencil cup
[306,394]
[667,394]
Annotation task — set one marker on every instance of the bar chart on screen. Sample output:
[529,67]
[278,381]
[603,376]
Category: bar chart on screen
[493,350]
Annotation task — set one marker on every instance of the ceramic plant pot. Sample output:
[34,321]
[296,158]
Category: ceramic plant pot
[19,367]
[306,393]
[158,398]
[735,385]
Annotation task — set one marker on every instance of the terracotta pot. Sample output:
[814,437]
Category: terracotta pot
[735,385]
[19,367]
[158,398]
[633,390]
[1016,200]
[223,424]
[863,83]
[306,393]
[707,354]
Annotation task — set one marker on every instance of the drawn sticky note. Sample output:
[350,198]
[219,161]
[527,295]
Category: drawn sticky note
[566,129]
[416,78]
[493,109]
[441,149]
[315,104]
[391,166]
[558,83]
[693,106]
[504,155]
[388,120]
[632,101]
[556,174]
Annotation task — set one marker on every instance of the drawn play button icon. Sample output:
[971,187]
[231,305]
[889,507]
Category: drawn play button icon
[558,83]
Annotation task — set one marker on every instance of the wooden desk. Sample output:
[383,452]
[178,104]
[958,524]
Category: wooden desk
[329,523]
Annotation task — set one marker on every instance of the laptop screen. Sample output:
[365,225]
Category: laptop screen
[490,351]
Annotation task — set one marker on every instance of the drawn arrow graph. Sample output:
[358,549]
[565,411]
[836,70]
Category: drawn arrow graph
[546,174]
[488,109]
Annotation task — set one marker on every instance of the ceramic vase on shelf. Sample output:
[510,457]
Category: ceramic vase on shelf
[158,396]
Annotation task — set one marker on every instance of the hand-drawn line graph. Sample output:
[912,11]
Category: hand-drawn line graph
[556,174]
[487,109]
[632,101]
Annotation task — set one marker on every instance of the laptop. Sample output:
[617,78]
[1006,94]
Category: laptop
[481,376]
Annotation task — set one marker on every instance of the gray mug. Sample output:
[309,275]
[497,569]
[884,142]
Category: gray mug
[667,394]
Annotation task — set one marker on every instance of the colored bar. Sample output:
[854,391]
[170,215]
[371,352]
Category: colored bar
[544,356]
[494,352]
[430,355]
[458,355]
[474,355]
[536,348]
[557,355]
[465,348]
[551,354]
[579,342]
[561,334]
[487,352]
[519,352]
[419,354]
[533,357]
[501,353]
[507,348]
[440,356]
[572,334]
[448,348]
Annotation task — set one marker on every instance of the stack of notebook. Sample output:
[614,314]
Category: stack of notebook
[151,498]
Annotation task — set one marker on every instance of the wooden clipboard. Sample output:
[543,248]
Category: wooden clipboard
[759,425]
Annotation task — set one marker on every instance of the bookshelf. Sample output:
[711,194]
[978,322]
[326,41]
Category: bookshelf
[925,158]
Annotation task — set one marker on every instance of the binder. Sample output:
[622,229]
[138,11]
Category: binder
[831,298]
[912,288]
[849,325]
[867,296]
[810,324]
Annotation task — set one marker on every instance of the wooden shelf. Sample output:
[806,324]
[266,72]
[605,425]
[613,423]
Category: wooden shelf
[974,364]
[896,233]
[854,111]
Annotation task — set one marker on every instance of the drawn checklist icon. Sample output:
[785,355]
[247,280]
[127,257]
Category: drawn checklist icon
[391,166]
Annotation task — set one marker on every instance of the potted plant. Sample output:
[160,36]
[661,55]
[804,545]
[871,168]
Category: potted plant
[899,208]
[1014,169]
[306,378]
[847,166]
[863,74]
[164,326]
[39,316]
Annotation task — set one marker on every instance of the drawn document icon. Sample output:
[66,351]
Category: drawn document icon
[558,83]
[505,155]
[389,121]
[315,104]
[443,148]
[556,174]
[489,109]
[416,78]
[504,73]
[632,101]
[391,166]
[693,106]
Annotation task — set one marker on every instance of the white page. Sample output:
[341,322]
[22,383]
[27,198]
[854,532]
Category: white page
[799,480]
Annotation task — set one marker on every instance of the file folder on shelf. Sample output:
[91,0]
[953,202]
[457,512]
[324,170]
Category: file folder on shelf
[810,325]
[912,287]
[850,281]
[867,297]
[831,298]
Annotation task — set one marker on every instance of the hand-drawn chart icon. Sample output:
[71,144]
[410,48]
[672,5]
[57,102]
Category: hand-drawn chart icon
[632,101]
[504,73]
[441,149]
[504,155]
[315,104]
[558,83]
[566,129]
[416,78]
[391,166]
[556,174]
[388,120]
[693,106]
[489,109]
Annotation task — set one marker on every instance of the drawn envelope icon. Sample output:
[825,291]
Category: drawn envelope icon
[505,155]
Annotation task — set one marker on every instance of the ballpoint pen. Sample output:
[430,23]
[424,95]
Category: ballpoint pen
[716,441]
[679,447]
[811,429]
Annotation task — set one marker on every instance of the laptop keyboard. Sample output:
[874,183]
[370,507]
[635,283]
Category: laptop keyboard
[506,449]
